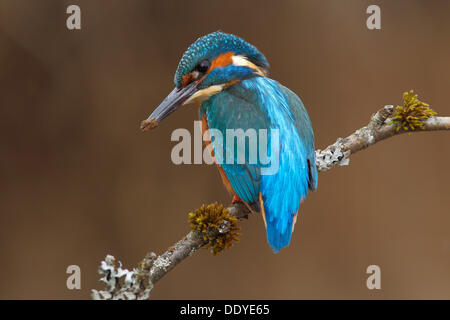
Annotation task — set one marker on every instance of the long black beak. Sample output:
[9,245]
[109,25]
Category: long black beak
[171,103]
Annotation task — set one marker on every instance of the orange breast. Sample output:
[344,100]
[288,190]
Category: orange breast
[207,140]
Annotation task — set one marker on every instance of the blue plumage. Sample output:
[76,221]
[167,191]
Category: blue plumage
[226,74]
[262,103]
[227,77]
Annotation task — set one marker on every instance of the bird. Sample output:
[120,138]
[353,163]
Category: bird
[228,79]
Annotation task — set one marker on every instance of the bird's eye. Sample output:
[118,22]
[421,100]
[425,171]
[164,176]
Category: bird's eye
[202,66]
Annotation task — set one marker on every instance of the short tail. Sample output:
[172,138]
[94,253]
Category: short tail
[278,240]
[275,236]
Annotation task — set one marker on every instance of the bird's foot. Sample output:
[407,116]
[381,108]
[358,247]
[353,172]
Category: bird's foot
[236,199]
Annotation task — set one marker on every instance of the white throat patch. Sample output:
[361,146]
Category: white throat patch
[204,94]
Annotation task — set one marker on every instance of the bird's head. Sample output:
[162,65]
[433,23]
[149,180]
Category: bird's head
[211,64]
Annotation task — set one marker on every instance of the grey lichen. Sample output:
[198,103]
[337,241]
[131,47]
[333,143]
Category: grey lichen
[331,156]
[161,263]
[122,284]
[365,134]
[339,152]
[380,117]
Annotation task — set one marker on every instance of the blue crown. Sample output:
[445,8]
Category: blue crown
[211,46]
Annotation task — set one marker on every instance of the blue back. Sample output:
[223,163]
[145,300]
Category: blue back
[262,103]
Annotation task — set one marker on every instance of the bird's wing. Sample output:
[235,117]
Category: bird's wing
[306,133]
[232,109]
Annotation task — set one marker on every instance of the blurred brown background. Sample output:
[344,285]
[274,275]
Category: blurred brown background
[79,180]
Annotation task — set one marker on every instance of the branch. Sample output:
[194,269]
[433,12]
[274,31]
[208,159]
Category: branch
[377,130]
[136,284]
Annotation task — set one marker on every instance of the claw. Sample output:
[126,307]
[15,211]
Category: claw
[236,199]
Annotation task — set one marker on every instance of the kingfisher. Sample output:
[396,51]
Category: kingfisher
[227,78]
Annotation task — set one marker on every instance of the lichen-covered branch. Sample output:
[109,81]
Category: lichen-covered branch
[214,227]
[378,129]
[137,284]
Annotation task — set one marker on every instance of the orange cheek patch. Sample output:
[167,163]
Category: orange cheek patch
[223,60]
[187,78]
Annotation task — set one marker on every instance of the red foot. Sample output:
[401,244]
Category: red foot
[236,199]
